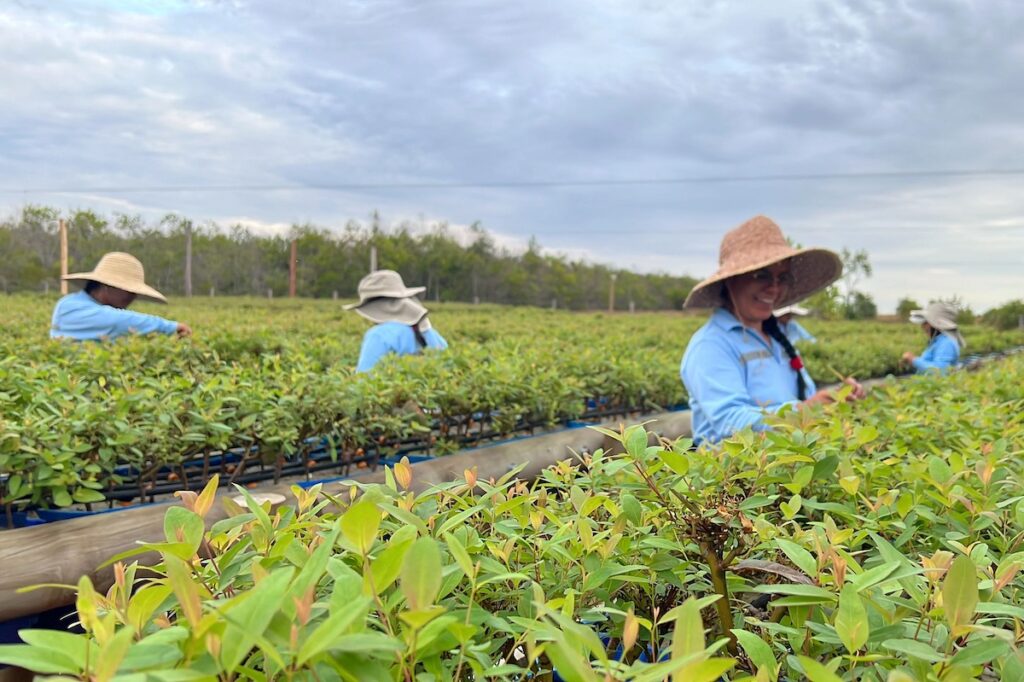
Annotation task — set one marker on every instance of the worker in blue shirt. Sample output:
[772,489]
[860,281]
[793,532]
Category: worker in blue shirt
[740,366]
[402,326]
[99,311]
[945,341]
[793,330]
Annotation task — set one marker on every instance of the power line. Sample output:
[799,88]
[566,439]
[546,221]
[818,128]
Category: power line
[607,182]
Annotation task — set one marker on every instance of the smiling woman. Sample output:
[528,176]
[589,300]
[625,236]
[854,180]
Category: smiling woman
[740,365]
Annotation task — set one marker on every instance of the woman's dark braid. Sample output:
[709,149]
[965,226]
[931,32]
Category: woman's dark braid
[772,329]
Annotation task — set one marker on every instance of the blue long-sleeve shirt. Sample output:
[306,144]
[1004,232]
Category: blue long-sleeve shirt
[81,317]
[734,377]
[795,332]
[942,353]
[393,337]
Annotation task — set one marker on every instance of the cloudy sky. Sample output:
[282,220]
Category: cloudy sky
[632,132]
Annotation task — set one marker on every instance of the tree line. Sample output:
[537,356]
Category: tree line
[233,260]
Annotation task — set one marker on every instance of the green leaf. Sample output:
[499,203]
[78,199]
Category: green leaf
[799,556]
[186,589]
[38,660]
[421,574]
[800,480]
[84,495]
[792,508]
[914,649]
[796,590]
[112,654]
[851,621]
[960,593]
[249,615]
[636,441]
[759,652]
[418,619]
[459,553]
[998,609]
[179,521]
[330,630]
[939,469]
[688,637]
[705,671]
[632,509]
[675,461]
[146,656]
[388,564]
[67,644]
[872,576]
[980,652]
[360,524]
[816,672]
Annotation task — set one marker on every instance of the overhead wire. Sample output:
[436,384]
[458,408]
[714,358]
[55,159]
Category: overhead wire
[512,184]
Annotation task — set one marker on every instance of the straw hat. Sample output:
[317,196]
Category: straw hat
[794,309]
[121,271]
[383,297]
[759,243]
[941,316]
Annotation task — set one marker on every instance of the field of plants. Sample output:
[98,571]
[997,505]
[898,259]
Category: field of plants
[265,389]
[877,541]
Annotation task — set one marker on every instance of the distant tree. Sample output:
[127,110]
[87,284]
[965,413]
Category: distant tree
[905,306]
[860,307]
[826,304]
[1007,316]
[233,261]
[856,267]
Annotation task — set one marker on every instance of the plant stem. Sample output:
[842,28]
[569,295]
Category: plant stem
[717,571]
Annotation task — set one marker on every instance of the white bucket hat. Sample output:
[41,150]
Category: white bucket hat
[383,297]
[121,271]
[794,309]
[941,316]
[759,243]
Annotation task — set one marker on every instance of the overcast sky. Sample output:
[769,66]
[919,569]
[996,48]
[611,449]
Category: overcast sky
[103,97]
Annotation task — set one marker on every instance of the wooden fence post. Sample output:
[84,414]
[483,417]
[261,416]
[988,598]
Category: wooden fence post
[63,256]
[291,269]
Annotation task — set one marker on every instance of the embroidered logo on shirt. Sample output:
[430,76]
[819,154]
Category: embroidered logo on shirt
[755,355]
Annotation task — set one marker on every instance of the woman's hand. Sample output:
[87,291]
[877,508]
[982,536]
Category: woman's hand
[822,397]
[908,357]
[858,392]
[183,330]
[825,395]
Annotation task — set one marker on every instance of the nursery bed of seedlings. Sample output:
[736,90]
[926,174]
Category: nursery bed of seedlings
[266,390]
[874,541]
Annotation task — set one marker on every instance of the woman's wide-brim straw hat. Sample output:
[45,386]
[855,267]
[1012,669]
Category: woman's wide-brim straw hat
[759,243]
[383,297]
[941,316]
[121,271]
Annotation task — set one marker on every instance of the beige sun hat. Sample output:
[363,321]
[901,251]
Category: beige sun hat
[383,297]
[121,271]
[759,243]
[941,316]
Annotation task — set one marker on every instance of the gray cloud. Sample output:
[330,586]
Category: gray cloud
[132,93]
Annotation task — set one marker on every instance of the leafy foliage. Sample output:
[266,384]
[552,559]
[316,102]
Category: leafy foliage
[80,423]
[876,541]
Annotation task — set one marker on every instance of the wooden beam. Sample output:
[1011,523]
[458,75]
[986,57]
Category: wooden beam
[62,552]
